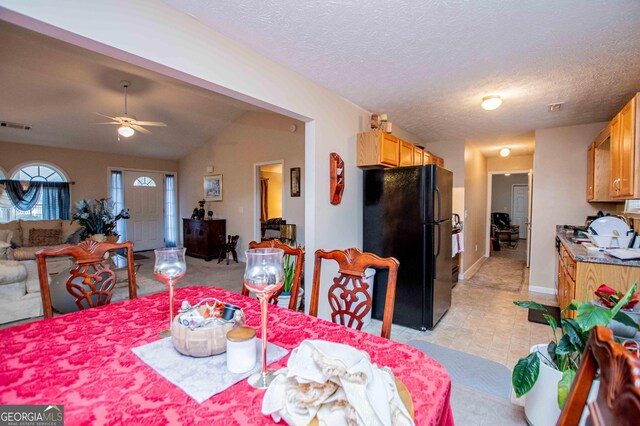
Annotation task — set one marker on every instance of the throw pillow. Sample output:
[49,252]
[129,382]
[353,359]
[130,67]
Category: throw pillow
[44,237]
[6,235]
[28,225]
[3,249]
[13,226]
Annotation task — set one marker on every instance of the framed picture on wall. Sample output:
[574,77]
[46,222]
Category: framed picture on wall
[213,188]
[295,181]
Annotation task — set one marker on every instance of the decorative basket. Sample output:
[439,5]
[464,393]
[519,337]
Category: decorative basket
[204,341]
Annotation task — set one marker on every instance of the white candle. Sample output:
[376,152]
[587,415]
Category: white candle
[241,349]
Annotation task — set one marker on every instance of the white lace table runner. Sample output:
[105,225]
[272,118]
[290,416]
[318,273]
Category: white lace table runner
[200,378]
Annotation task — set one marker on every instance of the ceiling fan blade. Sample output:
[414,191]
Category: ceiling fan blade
[111,118]
[140,129]
[151,123]
[107,122]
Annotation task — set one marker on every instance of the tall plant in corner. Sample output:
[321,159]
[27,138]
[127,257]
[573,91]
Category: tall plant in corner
[564,354]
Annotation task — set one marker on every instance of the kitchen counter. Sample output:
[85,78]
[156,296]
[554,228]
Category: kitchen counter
[580,254]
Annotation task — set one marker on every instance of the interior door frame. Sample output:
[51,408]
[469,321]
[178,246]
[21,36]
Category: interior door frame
[257,234]
[487,250]
[178,225]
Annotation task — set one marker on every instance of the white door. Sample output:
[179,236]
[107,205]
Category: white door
[520,208]
[144,197]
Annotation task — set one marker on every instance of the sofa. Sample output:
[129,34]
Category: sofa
[19,284]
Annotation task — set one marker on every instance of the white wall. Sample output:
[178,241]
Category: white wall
[255,137]
[150,34]
[559,194]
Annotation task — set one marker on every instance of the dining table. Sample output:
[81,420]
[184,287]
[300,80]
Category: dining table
[84,361]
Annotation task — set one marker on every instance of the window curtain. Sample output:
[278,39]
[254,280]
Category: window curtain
[116,190]
[55,200]
[170,216]
[23,195]
[264,203]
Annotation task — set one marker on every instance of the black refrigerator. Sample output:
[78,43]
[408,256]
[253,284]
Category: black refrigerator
[407,215]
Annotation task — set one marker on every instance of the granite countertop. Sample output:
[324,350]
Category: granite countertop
[581,254]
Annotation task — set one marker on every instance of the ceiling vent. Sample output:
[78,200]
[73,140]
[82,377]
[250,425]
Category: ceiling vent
[555,107]
[15,125]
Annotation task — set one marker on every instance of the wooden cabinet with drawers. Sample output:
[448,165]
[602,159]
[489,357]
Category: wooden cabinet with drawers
[202,237]
[380,149]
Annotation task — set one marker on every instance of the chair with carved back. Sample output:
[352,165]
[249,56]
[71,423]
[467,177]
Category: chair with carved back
[91,281]
[618,399]
[298,253]
[346,307]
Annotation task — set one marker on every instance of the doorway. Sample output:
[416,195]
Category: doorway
[269,199]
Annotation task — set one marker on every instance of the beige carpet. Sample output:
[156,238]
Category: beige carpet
[504,270]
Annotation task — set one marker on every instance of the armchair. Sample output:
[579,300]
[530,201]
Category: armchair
[501,226]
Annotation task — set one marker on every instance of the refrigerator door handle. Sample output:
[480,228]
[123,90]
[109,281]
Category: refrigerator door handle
[437,217]
[439,236]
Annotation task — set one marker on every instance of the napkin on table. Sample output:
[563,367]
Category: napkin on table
[336,383]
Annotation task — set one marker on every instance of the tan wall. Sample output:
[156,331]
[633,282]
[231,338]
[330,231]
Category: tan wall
[475,204]
[255,137]
[89,170]
[452,152]
[559,185]
[501,188]
[274,194]
[512,162]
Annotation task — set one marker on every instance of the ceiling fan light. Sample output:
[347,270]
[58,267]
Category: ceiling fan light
[504,152]
[125,131]
[491,102]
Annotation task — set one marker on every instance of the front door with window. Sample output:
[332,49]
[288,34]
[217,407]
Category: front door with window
[144,197]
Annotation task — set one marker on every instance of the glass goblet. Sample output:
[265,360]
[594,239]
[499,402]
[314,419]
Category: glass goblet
[170,266]
[264,275]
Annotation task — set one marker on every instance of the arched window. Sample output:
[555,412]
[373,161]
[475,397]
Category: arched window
[29,172]
[144,181]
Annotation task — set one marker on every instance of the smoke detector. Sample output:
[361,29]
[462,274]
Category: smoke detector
[11,125]
[555,107]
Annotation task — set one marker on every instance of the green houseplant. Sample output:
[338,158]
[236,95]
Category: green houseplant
[289,270]
[564,353]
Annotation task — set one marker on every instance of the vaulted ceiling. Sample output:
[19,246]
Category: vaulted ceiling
[428,63]
[56,88]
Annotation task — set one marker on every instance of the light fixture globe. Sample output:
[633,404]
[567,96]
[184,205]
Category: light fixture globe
[504,152]
[491,102]
[125,131]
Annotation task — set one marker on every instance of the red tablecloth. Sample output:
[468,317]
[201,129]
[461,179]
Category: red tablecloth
[84,361]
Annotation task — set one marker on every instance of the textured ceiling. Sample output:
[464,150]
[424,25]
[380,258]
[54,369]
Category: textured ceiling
[56,87]
[428,63]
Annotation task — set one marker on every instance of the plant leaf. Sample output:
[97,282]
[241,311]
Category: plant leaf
[577,337]
[625,319]
[529,305]
[573,306]
[552,322]
[564,386]
[590,315]
[625,300]
[565,346]
[551,348]
[525,374]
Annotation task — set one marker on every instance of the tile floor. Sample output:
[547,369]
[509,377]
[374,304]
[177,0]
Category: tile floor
[484,322]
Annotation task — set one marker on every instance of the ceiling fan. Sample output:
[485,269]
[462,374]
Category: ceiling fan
[128,124]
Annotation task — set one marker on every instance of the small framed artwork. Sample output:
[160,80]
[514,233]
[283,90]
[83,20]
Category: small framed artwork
[213,188]
[295,181]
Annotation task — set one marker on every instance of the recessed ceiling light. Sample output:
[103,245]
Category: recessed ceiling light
[491,102]
[504,152]
[125,131]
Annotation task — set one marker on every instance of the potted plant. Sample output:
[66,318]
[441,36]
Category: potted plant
[289,272]
[548,372]
[98,218]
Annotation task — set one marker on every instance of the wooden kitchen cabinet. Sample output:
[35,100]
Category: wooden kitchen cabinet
[406,154]
[599,168]
[202,237]
[591,162]
[418,156]
[377,148]
[624,180]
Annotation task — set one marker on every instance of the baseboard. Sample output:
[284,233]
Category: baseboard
[474,268]
[544,290]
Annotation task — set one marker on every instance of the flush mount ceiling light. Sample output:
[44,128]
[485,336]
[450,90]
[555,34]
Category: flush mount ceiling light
[125,131]
[504,152]
[491,102]
[507,174]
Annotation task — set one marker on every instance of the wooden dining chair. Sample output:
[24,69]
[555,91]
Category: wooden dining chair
[618,400]
[346,307]
[298,253]
[91,281]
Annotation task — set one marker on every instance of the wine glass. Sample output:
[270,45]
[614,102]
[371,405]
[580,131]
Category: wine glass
[170,266]
[264,275]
